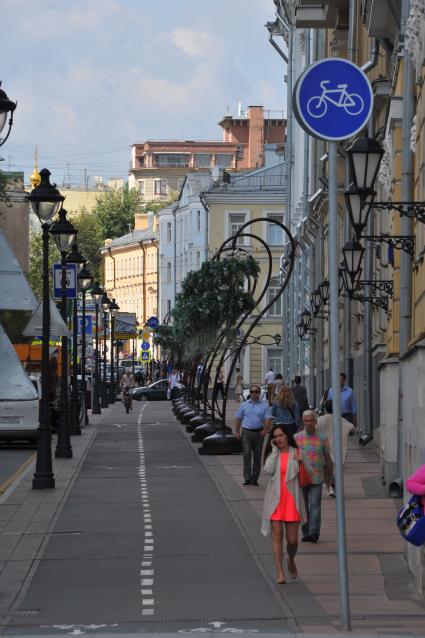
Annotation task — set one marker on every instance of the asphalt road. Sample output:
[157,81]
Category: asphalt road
[146,543]
[13,459]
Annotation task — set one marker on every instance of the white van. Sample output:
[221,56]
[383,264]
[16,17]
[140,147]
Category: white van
[19,398]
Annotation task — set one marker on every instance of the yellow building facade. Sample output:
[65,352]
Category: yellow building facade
[130,270]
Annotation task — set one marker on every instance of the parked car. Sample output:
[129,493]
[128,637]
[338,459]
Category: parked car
[155,392]
[19,415]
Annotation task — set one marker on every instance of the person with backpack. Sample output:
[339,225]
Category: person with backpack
[285,410]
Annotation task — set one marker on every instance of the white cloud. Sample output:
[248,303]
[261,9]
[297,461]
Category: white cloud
[194,43]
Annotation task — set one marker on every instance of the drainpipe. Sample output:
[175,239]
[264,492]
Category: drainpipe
[143,281]
[374,56]
[175,255]
[406,228]
[113,258]
[207,210]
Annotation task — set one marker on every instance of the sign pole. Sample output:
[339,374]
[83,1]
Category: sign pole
[335,382]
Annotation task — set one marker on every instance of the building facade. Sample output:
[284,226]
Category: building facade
[14,217]
[158,168]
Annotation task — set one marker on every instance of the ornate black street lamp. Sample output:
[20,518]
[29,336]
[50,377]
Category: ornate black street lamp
[85,281]
[300,330]
[6,106]
[364,158]
[96,294]
[359,203]
[316,301]
[64,234]
[306,319]
[353,255]
[45,201]
[113,308]
[324,292]
[75,257]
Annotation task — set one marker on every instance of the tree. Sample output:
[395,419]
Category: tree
[14,322]
[115,211]
[90,239]
[35,272]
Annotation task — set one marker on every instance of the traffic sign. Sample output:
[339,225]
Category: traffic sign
[333,99]
[153,322]
[71,280]
[146,346]
[145,356]
[145,335]
[88,322]
[90,305]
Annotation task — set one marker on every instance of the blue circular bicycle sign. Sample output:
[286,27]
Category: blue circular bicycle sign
[333,99]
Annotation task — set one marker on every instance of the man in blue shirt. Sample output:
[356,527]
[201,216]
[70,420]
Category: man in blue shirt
[348,401]
[252,424]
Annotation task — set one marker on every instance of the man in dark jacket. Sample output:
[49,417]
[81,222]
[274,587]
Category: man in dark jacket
[300,395]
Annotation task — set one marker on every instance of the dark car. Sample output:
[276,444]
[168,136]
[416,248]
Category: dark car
[155,392]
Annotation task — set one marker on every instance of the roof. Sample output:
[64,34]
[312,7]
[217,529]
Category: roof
[271,179]
[198,181]
[131,239]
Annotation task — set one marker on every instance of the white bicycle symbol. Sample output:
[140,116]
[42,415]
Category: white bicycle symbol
[352,103]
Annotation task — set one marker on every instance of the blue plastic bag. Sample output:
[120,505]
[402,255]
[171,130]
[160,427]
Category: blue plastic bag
[411,521]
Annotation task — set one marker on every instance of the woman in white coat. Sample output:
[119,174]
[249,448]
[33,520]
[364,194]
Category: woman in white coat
[283,502]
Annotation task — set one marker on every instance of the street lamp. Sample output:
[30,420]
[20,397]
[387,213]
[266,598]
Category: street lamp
[85,280]
[278,338]
[6,106]
[75,257]
[113,307]
[306,319]
[45,201]
[324,292]
[359,204]
[104,388]
[96,294]
[64,234]
[364,157]
[316,301]
[300,330]
[353,254]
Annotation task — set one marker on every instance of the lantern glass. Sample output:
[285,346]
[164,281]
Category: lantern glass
[365,157]
[277,338]
[353,255]
[85,279]
[306,319]
[64,233]
[324,291]
[3,119]
[300,330]
[45,199]
[105,302]
[96,293]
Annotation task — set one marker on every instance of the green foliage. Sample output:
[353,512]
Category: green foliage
[153,206]
[165,337]
[90,240]
[212,298]
[115,211]
[35,273]
[14,322]
[3,183]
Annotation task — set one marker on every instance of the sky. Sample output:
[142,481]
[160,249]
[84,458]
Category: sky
[93,77]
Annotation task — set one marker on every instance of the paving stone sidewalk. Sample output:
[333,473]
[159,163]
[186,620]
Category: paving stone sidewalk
[382,592]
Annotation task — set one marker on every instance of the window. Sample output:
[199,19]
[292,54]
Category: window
[168,272]
[276,309]
[224,160]
[171,159]
[198,221]
[236,220]
[203,160]
[160,186]
[274,360]
[168,232]
[198,259]
[142,186]
[274,232]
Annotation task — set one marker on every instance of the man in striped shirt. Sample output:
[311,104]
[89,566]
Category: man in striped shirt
[315,446]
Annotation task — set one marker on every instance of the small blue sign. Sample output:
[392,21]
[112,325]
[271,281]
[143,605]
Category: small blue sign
[146,346]
[88,323]
[71,280]
[333,99]
[153,322]
[146,356]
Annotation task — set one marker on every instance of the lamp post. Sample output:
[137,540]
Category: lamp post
[96,295]
[353,255]
[113,307]
[75,257]
[6,106]
[104,388]
[46,201]
[85,281]
[64,234]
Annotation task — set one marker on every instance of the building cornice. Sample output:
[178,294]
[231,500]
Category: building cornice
[246,198]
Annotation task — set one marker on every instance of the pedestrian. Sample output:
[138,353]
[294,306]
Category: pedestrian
[239,386]
[300,394]
[285,410]
[173,383]
[283,505]
[269,383]
[325,425]
[278,383]
[415,484]
[251,427]
[348,400]
[219,386]
[315,447]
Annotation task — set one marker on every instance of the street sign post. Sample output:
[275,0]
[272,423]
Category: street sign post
[88,322]
[145,356]
[71,280]
[333,101]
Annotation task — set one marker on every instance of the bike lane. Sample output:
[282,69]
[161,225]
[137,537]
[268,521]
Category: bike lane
[146,543]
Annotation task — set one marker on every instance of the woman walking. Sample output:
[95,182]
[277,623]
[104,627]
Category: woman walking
[285,409]
[283,502]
